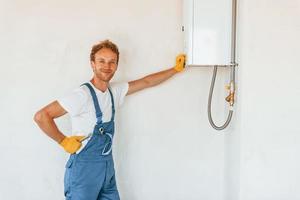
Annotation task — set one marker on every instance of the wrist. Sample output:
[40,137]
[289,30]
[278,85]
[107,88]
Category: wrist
[61,140]
[177,68]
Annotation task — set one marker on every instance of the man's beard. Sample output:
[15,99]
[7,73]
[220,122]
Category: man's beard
[105,78]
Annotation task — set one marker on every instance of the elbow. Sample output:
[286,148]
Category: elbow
[40,116]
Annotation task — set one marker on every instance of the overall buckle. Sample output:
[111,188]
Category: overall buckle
[101,130]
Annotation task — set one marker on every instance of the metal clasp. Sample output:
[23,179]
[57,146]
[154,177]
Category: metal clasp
[101,129]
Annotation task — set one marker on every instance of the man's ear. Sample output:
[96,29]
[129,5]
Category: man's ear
[93,65]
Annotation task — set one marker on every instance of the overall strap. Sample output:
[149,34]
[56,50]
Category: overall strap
[96,103]
[112,104]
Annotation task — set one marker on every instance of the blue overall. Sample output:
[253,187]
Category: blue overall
[90,174]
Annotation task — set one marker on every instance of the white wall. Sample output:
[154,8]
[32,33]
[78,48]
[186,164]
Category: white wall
[269,96]
[164,148]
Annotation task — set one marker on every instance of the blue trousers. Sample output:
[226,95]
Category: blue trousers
[90,180]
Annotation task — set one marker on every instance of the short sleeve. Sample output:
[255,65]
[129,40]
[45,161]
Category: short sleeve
[74,102]
[119,91]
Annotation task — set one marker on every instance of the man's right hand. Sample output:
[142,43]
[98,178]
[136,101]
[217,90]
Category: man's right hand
[71,144]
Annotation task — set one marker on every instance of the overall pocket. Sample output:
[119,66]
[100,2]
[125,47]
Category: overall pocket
[67,178]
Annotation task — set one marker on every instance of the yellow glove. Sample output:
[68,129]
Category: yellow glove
[71,144]
[180,62]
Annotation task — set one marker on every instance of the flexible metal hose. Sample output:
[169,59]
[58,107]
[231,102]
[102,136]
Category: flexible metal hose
[232,73]
[209,105]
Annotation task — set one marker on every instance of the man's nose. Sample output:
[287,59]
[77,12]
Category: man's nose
[106,65]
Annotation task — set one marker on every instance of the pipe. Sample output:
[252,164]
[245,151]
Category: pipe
[233,64]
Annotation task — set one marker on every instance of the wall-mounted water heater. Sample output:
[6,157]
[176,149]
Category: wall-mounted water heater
[210,40]
[207,31]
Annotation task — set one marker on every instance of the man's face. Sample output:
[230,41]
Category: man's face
[105,64]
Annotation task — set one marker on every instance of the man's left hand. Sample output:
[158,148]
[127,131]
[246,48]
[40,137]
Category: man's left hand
[180,62]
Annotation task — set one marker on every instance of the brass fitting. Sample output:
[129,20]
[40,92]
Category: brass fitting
[230,98]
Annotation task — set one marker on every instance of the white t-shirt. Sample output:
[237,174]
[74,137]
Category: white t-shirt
[79,104]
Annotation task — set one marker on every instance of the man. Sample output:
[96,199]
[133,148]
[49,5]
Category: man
[90,171]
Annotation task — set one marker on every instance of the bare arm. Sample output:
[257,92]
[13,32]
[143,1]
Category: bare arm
[157,78]
[150,80]
[45,120]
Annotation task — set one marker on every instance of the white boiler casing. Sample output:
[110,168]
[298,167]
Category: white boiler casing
[207,31]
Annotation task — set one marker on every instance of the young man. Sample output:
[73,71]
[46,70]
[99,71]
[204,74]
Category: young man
[90,171]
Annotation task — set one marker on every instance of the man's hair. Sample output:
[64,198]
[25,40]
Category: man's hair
[106,44]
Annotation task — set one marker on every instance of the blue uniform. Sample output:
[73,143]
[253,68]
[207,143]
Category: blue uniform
[90,174]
